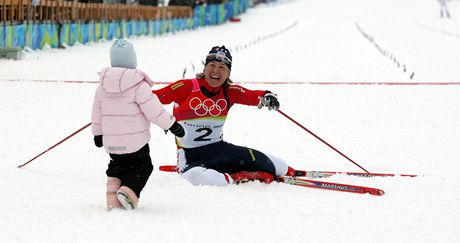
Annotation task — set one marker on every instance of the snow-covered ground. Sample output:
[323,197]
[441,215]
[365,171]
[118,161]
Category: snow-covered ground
[60,197]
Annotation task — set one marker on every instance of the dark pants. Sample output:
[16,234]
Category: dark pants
[228,158]
[132,169]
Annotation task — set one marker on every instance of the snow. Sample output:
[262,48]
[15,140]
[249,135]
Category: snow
[60,196]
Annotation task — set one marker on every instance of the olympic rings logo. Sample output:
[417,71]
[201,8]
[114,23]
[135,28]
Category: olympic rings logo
[208,106]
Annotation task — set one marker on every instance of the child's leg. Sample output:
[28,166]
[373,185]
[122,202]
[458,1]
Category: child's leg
[113,184]
[115,173]
[134,170]
[139,169]
[135,179]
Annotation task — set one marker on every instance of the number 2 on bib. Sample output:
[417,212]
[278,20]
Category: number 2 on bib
[203,137]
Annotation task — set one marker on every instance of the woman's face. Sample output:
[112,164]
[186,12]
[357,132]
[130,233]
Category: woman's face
[216,73]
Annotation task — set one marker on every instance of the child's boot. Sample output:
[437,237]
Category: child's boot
[127,198]
[113,184]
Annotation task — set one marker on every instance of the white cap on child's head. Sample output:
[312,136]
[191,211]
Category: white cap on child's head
[122,55]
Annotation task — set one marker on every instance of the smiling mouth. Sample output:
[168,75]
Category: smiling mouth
[216,78]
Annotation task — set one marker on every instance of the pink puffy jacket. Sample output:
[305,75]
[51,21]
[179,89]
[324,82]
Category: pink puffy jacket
[123,108]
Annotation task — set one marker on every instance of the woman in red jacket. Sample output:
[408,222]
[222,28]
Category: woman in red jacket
[201,106]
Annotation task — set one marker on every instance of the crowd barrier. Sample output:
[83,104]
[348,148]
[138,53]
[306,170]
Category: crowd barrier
[91,23]
[68,10]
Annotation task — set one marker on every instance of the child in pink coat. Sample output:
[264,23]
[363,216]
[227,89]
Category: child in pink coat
[123,108]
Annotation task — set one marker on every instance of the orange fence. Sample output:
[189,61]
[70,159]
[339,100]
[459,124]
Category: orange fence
[60,10]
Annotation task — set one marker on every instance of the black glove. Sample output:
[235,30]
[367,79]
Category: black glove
[269,100]
[177,129]
[98,141]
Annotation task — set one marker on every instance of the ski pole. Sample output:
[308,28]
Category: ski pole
[71,135]
[320,139]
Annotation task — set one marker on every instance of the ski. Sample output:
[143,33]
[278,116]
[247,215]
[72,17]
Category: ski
[311,183]
[323,174]
[315,174]
[330,186]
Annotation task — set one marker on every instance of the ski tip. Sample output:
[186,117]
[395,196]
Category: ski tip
[376,192]
[408,175]
[168,168]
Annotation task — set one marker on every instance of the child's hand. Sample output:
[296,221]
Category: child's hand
[177,130]
[98,141]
